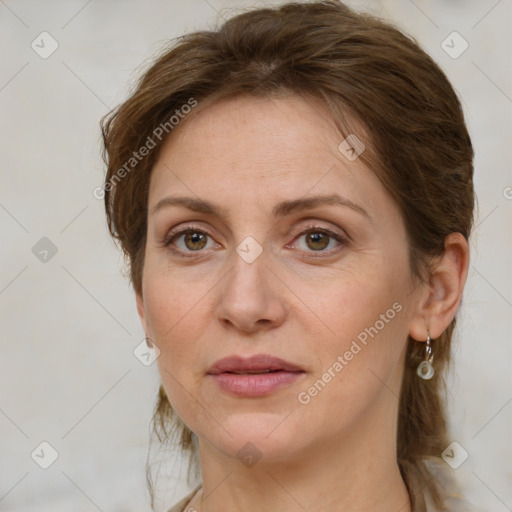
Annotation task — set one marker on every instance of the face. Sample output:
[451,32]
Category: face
[265,241]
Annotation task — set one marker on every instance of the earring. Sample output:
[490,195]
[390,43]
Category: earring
[425,369]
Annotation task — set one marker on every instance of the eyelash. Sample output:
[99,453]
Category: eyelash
[195,229]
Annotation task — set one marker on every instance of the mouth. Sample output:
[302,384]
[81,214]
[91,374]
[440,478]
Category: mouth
[261,363]
[253,372]
[256,376]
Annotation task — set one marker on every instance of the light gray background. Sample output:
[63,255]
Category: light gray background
[68,374]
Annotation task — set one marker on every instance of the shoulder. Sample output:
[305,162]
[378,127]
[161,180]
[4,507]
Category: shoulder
[180,506]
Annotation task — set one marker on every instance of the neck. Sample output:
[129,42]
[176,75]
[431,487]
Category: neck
[355,471]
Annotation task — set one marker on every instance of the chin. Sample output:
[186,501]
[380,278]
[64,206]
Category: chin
[261,436]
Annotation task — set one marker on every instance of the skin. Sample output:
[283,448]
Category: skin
[295,301]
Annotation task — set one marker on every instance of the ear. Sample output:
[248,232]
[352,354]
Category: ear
[141,311]
[442,295]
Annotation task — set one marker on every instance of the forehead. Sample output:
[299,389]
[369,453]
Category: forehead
[257,130]
[251,151]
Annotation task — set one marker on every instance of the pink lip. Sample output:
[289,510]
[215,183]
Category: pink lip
[234,375]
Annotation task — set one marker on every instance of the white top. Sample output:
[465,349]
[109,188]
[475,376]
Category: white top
[181,506]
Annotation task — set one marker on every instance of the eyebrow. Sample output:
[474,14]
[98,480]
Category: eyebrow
[280,210]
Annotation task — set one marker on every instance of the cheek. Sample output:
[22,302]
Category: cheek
[176,314]
[174,299]
[363,320]
[352,299]
[359,359]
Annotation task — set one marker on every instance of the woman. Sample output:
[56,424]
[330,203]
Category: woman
[294,195]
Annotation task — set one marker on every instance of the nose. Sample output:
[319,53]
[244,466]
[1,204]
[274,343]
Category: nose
[253,297]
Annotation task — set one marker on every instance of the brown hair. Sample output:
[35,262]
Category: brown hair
[377,83]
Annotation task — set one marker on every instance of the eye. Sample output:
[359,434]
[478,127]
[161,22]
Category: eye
[316,239]
[189,240]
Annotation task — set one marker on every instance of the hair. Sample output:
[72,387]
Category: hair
[376,82]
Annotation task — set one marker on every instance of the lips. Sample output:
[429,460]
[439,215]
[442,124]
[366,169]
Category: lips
[254,377]
[257,364]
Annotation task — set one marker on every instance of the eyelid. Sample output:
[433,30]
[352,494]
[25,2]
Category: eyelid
[315,225]
[182,230]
